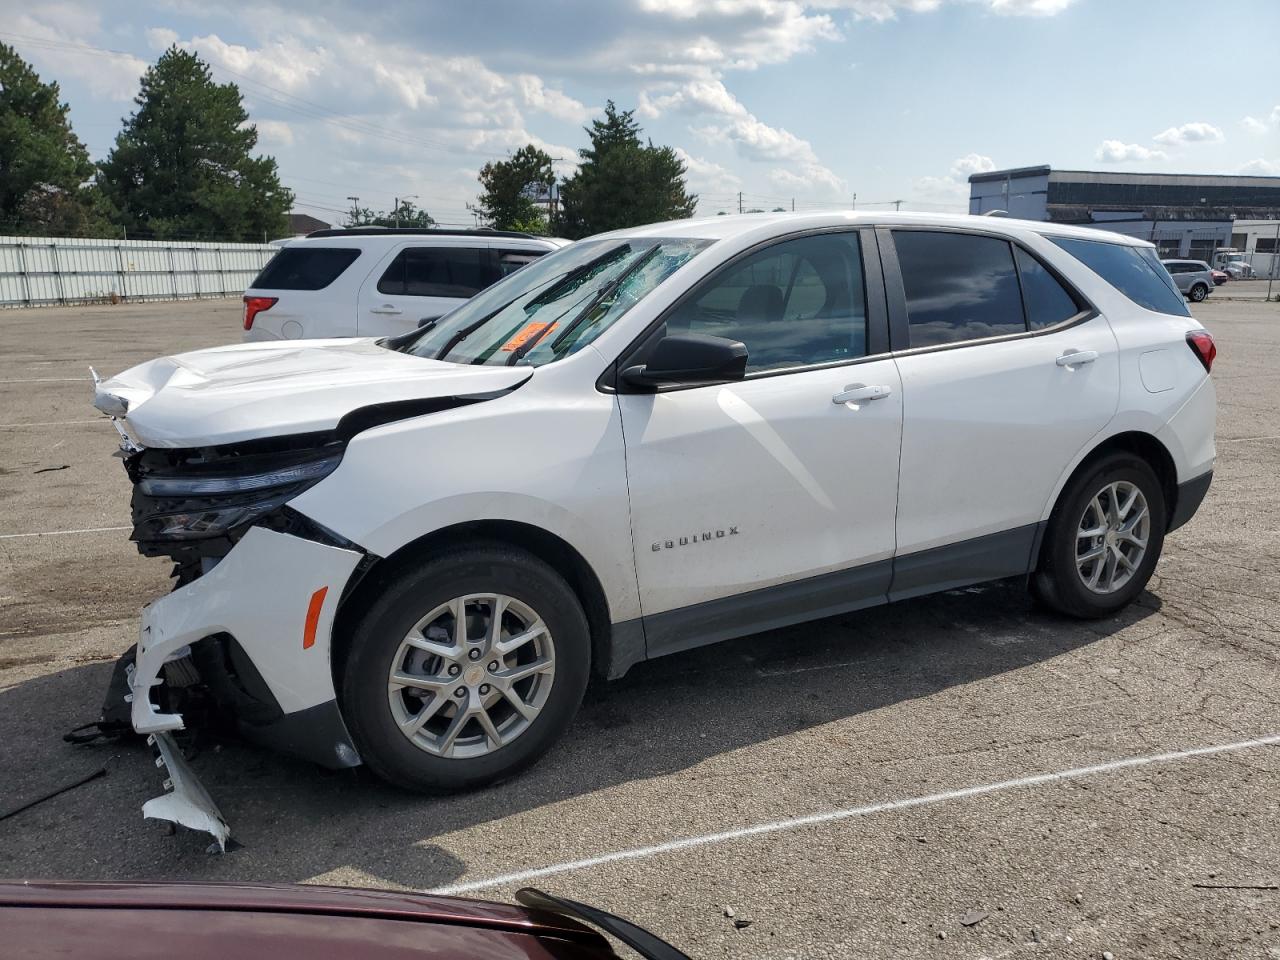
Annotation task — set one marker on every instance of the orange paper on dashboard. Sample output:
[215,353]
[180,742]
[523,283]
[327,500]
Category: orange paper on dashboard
[530,331]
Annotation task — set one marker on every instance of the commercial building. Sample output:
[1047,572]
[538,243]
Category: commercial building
[1185,215]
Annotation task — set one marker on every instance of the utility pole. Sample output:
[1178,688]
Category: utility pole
[855,202]
[897,206]
[793,204]
[1275,262]
[739,201]
[355,208]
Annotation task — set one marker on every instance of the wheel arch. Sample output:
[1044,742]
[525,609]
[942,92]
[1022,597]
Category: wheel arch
[546,546]
[1141,444]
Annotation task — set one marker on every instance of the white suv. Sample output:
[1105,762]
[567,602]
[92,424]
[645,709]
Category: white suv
[414,552]
[376,281]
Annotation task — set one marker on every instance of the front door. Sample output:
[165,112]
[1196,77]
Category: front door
[1005,378]
[769,500]
[416,282]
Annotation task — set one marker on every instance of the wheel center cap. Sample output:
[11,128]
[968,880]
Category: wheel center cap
[1111,538]
[473,675]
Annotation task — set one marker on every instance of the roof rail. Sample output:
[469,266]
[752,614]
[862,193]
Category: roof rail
[419,231]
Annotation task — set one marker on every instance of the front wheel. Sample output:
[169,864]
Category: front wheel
[1199,292]
[1103,539]
[466,669]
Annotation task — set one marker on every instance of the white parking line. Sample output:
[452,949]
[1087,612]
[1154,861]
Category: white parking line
[640,853]
[51,380]
[1246,439]
[59,533]
[52,423]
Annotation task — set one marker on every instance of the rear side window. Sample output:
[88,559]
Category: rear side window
[458,272]
[509,261]
[1134,271]
[958,286]
[1048,302]
[305,268]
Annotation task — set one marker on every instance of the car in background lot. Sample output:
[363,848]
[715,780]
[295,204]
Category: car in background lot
[1194,278]
[378,281]
[216,921]
[415,553]
[1219,278]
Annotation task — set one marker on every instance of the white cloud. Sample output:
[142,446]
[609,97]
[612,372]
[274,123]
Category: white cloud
[161,38]
[288,62]
[1253,125]
[537,96]
[107,75]
[1117,151]
[947,190]
[274,133]
[1261,168]
[1029,8]
[972,163]
[881,10]
[706,176]
[1195,132]
[754,139]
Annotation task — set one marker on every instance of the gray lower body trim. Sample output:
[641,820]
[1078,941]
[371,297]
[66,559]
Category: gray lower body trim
[767,608]
[1010,553]
[317,734]
[993,557]
[1190,495]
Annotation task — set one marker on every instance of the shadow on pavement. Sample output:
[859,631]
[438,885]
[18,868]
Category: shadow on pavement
[297,822]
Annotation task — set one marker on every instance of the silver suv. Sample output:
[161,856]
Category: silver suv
[1193,277]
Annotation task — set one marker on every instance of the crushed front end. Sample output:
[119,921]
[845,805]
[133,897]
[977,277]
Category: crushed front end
[245,636]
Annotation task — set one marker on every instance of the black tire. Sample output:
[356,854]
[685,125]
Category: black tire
[1198,292]
[412,595]
[1057,582]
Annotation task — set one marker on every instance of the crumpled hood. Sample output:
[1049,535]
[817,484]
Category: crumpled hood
[250,390]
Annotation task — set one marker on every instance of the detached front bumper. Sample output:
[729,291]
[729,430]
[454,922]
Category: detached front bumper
[272,599]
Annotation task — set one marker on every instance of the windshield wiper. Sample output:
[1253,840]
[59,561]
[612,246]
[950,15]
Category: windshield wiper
[604,293]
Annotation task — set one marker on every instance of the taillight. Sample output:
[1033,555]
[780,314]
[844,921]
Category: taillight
[1201,344]
[254,306]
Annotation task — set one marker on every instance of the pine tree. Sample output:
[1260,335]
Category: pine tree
[182,167]
[43,165]
[622,181]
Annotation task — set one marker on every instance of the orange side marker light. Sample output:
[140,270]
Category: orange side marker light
[313,618]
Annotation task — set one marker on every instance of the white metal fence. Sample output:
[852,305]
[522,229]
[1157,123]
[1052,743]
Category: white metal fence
[43,271]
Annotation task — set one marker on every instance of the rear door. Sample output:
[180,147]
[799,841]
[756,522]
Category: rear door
[419,281]
[1007,373]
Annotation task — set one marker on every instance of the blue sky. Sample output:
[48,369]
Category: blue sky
[780,99]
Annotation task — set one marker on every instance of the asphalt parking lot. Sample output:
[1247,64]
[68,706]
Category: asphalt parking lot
[935,746]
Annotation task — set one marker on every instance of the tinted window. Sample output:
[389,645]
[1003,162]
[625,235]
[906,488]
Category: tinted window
[958,286]
[1047,300]
[304,268]
[795,303]
[509,261]
[1134,271]
[436,272]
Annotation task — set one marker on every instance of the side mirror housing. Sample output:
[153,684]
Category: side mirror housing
[690,358]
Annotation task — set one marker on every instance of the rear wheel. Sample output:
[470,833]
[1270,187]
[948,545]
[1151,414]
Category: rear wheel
[1103,540]
[466,669]
[1198,292]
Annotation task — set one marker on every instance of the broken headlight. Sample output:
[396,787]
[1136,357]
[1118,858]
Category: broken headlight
[201,494]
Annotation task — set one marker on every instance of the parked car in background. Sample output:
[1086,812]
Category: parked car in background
[1219,277]
[378,281]
[420,550]
[219,921]
[1194,278]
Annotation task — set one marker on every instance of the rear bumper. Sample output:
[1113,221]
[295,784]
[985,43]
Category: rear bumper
[275,596]
[1190,495]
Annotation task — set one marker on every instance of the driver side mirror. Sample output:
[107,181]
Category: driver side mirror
[690,358]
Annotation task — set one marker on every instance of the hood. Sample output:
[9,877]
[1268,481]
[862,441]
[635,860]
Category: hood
[251,390]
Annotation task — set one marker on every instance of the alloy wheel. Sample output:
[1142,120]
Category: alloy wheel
[1112,536]
[471,676]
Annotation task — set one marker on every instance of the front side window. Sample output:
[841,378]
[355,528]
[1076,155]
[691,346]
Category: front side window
[958,286]
[796,303]
[1134,271]
[555,305]
[457,272]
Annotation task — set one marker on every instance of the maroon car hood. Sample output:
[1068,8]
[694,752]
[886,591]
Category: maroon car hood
[200,903]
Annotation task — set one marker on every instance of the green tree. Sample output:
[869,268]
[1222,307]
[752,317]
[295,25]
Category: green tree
[622,180]
[510,187]
[182,167]
[410,216]
[43,165]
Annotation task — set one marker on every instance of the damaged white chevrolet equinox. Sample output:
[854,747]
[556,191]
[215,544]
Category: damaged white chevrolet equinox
[414,552]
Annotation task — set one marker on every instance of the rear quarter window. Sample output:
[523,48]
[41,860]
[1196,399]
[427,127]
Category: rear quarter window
[305,268]
[1134,271]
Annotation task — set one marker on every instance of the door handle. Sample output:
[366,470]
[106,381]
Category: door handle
[387,308]
[857,392]
[1074,358]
